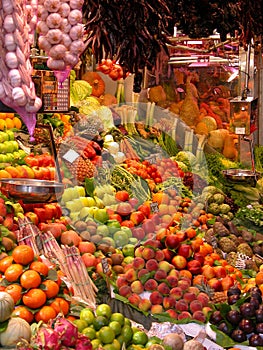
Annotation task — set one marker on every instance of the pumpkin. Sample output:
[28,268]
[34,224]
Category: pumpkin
[157,94]
[6,306]
[16,330]
[96,82]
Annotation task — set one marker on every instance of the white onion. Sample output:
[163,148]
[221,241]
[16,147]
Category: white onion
[64,10]
[75,17]
[53,20]
[57,52]
[76,32]
[42,27]
[54,36]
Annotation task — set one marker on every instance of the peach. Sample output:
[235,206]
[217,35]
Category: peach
[159,255]
[144,304]
[183,284]
[137,287]
[195,305]
[194,290]
[206,310]
[181,305]
[125,291]
[176,293]
[148,253]
[138,251]
[154,243]
[165,265]
[172,313]
[142,272]
[172,281]
[203,298]
[189,297]
[199,316]
[174,272]
[89,259]
[183,315]
[131,275]
[134,299]
[220,271]
[163,288]
[152,265]
[121,281]
[160,275]
[138,263]
[150,285]
[208,272]
[168,302]
[179,262]
[156,309]
[156,298]
[87,247]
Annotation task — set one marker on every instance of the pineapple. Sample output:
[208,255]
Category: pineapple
[227,245]
[215,297]
[80,169]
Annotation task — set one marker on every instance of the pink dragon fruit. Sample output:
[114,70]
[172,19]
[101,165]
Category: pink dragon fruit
[23,345]
[47,339]
[83,343]
[68,332]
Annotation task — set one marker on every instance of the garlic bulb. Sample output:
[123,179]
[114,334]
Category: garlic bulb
[57,52]
[42,27]
[64,10]
[11,60]
[33,108]
[53,20]
[77,47]
[10,43]
[42,13]
[71,59]
[19,96]
[52,5]
[76,4]
[65,26]
[54,36]
[9,24]
[44,44]
[76,32]
[56,64]
[7,6]
[15,77]
[75,17]
[66,40]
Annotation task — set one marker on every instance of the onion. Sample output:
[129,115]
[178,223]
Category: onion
[174,341]
[6,305]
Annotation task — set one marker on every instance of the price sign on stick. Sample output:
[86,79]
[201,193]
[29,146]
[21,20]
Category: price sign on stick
[106,270]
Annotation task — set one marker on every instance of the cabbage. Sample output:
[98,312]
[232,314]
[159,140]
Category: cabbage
[88,106]
[79,91]
[186,157]
[105,114]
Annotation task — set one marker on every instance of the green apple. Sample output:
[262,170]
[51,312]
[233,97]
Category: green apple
[108,240]
[128,250]
[78,204]
[10,135]
[101,215]
[121,238]
[102,230]
[10,157]
[8,147]
[127,230]
[3,136]
[15,145]
[74,215]
[99,202]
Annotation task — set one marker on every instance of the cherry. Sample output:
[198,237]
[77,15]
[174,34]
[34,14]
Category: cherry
[246,326]
[238,335]
[234,316]
[247,310]
[256,340]
[216,317]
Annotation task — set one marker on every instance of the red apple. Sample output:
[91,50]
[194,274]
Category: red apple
[38,171]
[168,254]
[172,241]
[220,271]
[127,223]
[155,217]
[185,250]
[227,282]
[148,225]
[133,202]
[198,256]
[115,216]
[194,267]
[137,217]
[215,284]
[138,232]
[145,209]
[46,173]
[124,209]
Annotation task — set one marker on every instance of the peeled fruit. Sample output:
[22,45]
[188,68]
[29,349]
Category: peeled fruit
[173,340]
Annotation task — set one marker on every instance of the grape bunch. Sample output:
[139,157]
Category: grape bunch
[241,317]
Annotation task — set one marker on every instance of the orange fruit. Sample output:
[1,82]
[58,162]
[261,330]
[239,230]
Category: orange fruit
[45,314]
[23,254]
[40,267]
[13,272]
[51,288]
[17,123]
[34,298]
[2,124]
[3,173]
[259,278]
[15,290]
[60,305]
[5,262]
[30,279]
[23,312]
[9,123]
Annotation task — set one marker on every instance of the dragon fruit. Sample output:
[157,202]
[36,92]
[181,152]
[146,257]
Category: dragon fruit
[47,339]
[68,332]
[23,345]
[83,343]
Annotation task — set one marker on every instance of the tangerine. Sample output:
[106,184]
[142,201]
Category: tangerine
[45,314]
[259,278]
[30,279]
[13,272]
[23,312]
[5,263]
[9,123]
[23,254]
[40,267]
[60,305]
[15,290]
[51,288]
[17,123]
[34,298]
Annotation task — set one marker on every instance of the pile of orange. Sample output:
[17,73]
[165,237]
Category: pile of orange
[35,295]
[9,121]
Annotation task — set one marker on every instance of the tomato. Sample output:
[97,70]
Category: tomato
[31,160]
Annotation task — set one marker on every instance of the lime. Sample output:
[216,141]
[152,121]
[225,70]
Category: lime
[99,322]
[120,339]
[140,337]
[117,316]
[135,329]
[87,315]
[109,347]
[89,332]
[95,344]
[127,333]
[106,335]
[117,344]
[116,327]
[103,310]
[81,324]
[127,321]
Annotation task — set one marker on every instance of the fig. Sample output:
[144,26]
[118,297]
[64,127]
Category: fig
[247,310]
[256,340]
[238,335]
[234,317]
[246,326]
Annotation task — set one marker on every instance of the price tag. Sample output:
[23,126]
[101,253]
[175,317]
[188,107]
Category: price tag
[154,207]
[105,266]
[240,131]
[71,155]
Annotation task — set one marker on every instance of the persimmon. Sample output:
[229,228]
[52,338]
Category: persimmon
[39,267]
[30,279]
[23,254]
[15,290]
[60,305]
[23,312]
[13,272]
[5,263]
[45,314]
[34,298]
[51,288]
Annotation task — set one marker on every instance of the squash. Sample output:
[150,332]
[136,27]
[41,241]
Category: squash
[6,306]
[96,82]
[16,330]
[230,150]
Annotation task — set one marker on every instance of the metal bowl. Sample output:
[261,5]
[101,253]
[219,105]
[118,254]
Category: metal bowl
[241,175]
[32,190]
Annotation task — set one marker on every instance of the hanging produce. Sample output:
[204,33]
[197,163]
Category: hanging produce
[61,32]
[132,32]
[17,90]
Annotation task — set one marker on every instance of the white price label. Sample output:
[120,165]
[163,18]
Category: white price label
[71,155]
[240,131]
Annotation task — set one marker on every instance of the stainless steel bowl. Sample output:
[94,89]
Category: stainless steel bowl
[241,175]
[32,190]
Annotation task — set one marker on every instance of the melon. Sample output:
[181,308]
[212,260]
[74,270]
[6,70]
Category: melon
[210,123]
